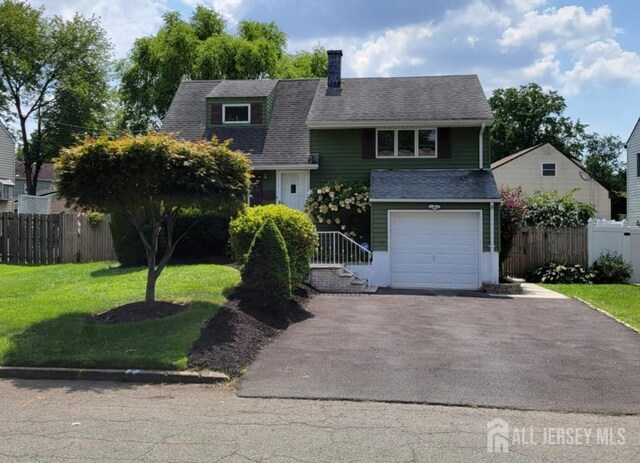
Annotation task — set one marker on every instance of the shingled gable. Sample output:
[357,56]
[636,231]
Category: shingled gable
[285,140]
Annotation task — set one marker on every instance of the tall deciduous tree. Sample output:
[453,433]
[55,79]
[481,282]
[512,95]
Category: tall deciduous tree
[53,80]
[303,64]
[527,116]
[603,160]
[152,179]
[202,48]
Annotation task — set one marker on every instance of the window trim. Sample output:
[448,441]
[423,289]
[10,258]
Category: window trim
[555,169]
[638,165]
[416,142]
[236,105]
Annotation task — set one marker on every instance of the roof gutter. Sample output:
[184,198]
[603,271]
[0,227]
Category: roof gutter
[284,167]
[397,123]
[481,145]
[434,200]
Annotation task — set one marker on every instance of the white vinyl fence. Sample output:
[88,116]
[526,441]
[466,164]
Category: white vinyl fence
[613,236]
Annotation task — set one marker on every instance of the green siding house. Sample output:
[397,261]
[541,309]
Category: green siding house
[420,142]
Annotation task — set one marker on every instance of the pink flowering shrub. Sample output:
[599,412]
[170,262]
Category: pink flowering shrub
[513,210]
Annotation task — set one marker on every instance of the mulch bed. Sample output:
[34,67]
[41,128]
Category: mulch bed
[137,312]
[232,339]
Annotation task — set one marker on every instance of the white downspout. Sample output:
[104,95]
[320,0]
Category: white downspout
[492,215]
[492,241]
[481,144]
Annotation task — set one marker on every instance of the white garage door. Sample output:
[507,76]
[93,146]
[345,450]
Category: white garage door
[435,249]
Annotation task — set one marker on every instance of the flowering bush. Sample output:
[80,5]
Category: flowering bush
[513,209]
[344,205]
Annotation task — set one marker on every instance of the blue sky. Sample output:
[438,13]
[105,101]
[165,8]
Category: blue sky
[587,50]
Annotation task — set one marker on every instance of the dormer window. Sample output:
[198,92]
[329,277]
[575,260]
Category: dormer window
[236,114]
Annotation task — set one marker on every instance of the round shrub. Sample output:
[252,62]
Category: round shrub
[266,275]
[610,268]
[297,229]
[553,272]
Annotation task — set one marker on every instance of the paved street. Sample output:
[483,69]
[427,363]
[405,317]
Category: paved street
[460,349]
[50,421]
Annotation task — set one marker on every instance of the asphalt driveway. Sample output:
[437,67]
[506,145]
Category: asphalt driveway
[541,354]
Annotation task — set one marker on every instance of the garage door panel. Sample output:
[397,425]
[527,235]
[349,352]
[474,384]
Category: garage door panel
[434,250]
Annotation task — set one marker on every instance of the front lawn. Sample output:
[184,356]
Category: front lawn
[43,312]
[621,301]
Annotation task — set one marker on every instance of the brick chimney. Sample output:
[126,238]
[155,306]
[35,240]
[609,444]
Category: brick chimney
[334,68]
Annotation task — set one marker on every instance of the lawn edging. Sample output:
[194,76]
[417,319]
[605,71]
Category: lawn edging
[590,305]
[127,376]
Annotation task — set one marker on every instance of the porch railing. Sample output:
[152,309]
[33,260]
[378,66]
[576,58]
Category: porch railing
[337,248]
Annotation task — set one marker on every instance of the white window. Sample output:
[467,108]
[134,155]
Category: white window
[236,114]
[6,190]
[548,169]
[406,143]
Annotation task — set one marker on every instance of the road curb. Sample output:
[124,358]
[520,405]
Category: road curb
[126,376]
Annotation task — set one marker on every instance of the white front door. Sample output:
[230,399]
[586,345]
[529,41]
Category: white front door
[293,188]
[434,249]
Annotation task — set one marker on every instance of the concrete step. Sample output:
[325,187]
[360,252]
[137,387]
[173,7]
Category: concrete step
[336,280]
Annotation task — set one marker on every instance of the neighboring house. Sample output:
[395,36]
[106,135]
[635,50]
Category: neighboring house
[633,176]
[46,180]
[7,169]
[544,168]
[420,142]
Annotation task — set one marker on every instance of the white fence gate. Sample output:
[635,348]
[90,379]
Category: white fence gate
[619,237]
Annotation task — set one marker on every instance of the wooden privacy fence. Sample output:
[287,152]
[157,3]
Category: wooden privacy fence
[53,238]
[534,247]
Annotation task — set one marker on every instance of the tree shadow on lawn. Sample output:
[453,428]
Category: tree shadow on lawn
[116,269]
[70,340]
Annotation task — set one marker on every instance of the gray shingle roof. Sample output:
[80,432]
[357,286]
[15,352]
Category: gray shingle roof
[426,184]
[284,141]
[187,113]
[437,98]
[243,88]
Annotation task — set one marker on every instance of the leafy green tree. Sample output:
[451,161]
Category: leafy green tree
[529,115]
[303,64]
[54,77]
[202,48]
[603,161]
[153,179]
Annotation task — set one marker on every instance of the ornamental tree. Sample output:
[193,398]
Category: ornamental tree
[512,212]
[343,204]
[152,179]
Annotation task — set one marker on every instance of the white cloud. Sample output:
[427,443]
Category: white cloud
[600,62]
[379,55]
[508,42]
[123,20]
[571,26]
